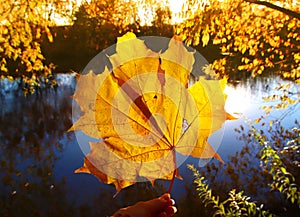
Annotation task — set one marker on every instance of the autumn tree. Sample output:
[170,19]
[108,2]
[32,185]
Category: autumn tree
[96,26]
[253,36]
[117,13]
[160,26]
[23,25]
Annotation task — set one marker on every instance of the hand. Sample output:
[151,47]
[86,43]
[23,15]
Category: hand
[159,207]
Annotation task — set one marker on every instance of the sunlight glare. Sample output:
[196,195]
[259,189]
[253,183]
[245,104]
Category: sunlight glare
[146,15]
[176,5]
[179,9]
[237,100]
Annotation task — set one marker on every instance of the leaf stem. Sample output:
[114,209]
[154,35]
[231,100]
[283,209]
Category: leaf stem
[174,172]
[172,182]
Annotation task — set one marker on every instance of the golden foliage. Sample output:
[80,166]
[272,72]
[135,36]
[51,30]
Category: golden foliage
[22,25]
[265,37]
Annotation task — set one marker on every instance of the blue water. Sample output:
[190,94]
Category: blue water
[39,156]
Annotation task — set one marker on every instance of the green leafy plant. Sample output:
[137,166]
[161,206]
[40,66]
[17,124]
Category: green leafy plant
[282,179]
[237,203]
[280,146]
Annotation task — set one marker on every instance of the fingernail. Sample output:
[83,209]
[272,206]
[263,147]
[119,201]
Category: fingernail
[173,202]
[175,209]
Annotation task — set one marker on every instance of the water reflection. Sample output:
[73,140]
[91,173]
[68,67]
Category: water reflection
[30,143]
[38,158]
[243,170]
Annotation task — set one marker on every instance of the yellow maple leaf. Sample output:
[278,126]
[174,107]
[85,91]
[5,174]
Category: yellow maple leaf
[144,113]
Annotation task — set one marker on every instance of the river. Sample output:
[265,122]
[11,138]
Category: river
[39,156]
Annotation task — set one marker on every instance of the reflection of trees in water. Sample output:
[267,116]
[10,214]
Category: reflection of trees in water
[30,134]
[30,145]
[244,172]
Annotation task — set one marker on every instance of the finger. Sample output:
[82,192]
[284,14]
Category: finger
[166,196]
[173,202]
[163,214]
[157,205]
[170,211]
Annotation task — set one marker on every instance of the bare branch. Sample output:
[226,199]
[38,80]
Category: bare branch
[275,7]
